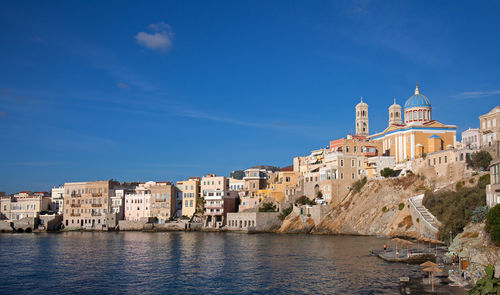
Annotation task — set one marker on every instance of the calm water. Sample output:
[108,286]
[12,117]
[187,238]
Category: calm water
[187,263]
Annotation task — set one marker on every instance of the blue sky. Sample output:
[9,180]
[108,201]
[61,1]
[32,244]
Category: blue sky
[168,90]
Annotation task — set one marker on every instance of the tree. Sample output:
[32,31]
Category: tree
[319,195]
[493,224]
[388,172]
[488,284]
[237,174]
[267,207]
[479,160]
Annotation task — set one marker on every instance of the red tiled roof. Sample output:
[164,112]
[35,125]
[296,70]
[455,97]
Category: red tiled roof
[288,168]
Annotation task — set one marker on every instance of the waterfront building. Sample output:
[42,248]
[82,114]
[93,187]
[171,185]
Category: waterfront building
[493,189]
[87,203]
[57,199]
[138,203]
[189,191]
[163,201]
[23,204]
[471,139]
[217,204]
[419,135]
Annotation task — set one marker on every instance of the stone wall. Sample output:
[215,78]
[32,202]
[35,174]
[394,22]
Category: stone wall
[253,221]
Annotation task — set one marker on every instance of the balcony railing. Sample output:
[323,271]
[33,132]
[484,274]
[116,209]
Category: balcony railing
[75,214]
[96,205]
[76,195]
[76,205]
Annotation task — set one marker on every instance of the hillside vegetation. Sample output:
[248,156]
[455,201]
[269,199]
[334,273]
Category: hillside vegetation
[454,209]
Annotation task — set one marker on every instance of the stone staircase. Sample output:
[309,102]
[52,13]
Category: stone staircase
[427,218]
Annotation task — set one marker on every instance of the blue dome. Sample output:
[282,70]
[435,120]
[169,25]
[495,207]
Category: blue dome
[417,100]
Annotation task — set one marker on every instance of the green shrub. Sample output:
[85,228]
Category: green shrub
[308,215]
[285,212]
[479,213]
[493,224]
[385,209]
[387,172]
[484,181]
[471,180]
[459,185]
[454,208]
[358,184]
[319,195]
[305,201]
[267,207]
[401,206]
[418,220]
[488,284]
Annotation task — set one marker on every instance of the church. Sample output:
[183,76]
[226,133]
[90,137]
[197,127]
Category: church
[420,134]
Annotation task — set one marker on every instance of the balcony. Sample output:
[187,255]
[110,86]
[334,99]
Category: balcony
[75,214]
[95,214]
[96,205]
[96,195]
[76,195]
[76,205]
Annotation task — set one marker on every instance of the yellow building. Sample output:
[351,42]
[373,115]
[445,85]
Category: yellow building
[418,135]
[190,192]
[282,183]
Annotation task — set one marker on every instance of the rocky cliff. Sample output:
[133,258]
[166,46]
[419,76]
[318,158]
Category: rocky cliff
[380,208]
[474,244]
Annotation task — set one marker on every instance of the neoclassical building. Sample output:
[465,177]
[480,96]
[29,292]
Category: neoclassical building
[418,135]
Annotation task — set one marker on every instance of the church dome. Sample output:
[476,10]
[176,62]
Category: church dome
[417,100]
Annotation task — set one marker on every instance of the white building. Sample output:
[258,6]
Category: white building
[236,184]
[471,139]
[57,199]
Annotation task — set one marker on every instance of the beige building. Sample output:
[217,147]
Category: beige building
[86,204]
[493,189]
[190,193]
[24,204]
[256,178]
[489,125]
[138,203]
[163,201]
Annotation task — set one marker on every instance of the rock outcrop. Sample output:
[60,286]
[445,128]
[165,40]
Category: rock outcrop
[380,208]
[474,244]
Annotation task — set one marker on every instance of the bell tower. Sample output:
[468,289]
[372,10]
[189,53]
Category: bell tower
[362,119]
[395,114]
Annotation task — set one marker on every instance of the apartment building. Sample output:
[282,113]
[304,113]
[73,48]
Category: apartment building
[163,201]
[138,203]
[189,191]
[471,139]
[87,203]
[489,125]
[217,204]
[57,199]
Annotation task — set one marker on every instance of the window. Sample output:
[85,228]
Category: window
[353,176]
[353,163]
[355,149]
[446,159]
[341,175]
[341,163]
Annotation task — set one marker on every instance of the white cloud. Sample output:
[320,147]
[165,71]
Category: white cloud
[477,94]
[159,39]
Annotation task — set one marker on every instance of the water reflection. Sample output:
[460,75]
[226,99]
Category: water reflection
[187,263]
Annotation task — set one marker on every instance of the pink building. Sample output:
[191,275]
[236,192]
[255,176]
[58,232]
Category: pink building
[138,204]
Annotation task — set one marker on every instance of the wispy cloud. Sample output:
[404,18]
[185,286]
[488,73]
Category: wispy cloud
[123,86]
[477,94]
[37,164]
[160,37]
[8,93]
